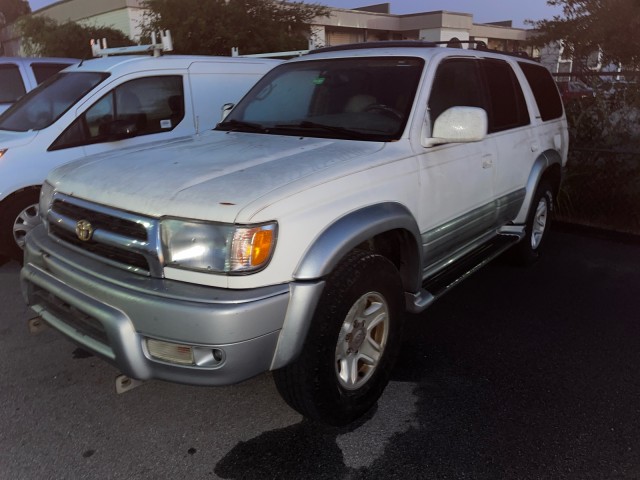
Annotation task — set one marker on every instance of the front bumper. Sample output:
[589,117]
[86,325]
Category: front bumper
[111,312]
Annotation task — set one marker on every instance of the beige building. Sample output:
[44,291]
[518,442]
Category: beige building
[377,23]
[124,15]
[364,24]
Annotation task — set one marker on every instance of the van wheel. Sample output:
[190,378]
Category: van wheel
[18,216]
[537,226]
[351,345]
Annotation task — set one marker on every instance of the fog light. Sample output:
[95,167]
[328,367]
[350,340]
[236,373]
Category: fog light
[170,352]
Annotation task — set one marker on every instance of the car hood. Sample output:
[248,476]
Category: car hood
[9,139]
[208,177]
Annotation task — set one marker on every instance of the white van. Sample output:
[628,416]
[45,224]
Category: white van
[19,75]
[105,104]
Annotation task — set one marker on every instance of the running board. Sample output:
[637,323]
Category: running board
[466,266]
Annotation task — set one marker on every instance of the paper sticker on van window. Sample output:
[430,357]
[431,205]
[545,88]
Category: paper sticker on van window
[165,123]
[318,81]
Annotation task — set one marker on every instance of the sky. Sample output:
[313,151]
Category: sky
[483,10]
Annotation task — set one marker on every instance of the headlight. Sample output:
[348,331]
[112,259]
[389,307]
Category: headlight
[217,248]
[46,197]
[3,151]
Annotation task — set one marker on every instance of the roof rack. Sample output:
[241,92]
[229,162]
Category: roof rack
[377,44]
[235,52]
[293,53]
[99,49]
[477,44]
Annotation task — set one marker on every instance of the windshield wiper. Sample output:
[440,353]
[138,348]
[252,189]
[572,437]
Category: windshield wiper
[239,125]
[307,125]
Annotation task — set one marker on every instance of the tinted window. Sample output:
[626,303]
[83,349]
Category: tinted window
[457,84]
[507,107]
[11,81]
[42,71]
[138,107]
[544,90]
[46,103]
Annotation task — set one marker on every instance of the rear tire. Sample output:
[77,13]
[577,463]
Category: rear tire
[18,216]
[537,226]
[351,345]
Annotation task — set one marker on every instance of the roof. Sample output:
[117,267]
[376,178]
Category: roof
[116,63]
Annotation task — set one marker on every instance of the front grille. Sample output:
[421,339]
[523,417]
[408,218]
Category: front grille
[100,220]
[120,238]
[115,254]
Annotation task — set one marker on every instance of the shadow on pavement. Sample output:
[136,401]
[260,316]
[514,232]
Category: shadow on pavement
[518,373]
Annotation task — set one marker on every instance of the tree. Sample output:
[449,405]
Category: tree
[11,10]
[45,37]
[589,26]
[213,27]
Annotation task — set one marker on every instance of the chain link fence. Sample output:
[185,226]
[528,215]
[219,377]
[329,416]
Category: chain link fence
[601,186]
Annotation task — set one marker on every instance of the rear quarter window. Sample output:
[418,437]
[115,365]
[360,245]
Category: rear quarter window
[544,90]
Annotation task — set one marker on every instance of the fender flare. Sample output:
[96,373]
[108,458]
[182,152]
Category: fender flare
[323,256]
[357,227]
[538,170]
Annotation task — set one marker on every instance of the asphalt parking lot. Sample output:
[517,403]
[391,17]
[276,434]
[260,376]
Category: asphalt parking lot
[516,374]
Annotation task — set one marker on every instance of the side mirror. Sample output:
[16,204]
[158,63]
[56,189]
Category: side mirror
[458,125]
[226,109]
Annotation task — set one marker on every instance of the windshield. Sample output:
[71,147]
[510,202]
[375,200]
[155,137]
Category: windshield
[46,103]
[359,99]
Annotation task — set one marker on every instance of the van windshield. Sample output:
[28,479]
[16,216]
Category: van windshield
[46,103]
[358,99]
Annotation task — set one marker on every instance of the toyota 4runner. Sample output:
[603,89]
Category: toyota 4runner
[347,187]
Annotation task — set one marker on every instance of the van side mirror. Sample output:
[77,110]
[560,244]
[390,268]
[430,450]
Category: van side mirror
[458,125]
[226,109]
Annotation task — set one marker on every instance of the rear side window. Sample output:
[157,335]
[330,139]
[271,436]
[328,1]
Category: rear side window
[42,71]
[508,108]
[457,84]
[544,90]
[11,81]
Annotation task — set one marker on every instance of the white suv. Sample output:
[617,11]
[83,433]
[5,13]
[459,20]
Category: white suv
[348,186]
[102,105]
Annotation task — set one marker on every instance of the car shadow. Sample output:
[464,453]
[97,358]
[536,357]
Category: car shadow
[517,373]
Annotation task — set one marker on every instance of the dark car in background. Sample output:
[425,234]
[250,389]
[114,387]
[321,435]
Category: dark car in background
[575,90]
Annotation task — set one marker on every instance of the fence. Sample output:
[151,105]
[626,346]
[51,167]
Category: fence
[601,185]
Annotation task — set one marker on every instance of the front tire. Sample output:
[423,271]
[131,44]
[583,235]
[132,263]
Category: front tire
[351,345]
[18,216]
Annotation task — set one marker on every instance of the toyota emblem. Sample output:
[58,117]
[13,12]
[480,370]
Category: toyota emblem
[84,230]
